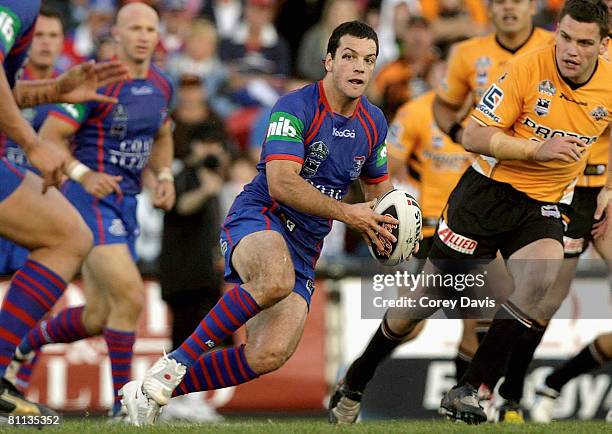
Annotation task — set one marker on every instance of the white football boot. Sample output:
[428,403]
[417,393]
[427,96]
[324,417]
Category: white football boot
[544,405]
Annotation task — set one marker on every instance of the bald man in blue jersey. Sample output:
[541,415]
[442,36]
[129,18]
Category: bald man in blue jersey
[320,138]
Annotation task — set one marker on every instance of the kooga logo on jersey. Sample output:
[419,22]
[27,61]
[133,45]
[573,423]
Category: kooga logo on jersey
[343,133]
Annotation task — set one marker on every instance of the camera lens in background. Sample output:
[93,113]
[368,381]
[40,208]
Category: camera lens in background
[211,162]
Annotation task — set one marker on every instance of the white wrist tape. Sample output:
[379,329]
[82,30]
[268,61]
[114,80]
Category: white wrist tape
[165,174]
[77,170]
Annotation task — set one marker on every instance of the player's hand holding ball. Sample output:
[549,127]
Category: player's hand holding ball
[406,229]
[373,227]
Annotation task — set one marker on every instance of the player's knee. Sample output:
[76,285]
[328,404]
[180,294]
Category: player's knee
[270,359]
[95,316]
[129,303]
[77,238]
[278,284]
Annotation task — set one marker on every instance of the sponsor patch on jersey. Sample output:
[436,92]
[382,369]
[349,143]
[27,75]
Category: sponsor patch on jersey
[542,107]
[285,126]
[455,241]
[493,97]
[343,133]
[310,286]
[142,90]
[572,245]
[599,113]
[223,245]
[10,25]
[547,87]
[550,211]
[75,111]
[117,228]
[381,155]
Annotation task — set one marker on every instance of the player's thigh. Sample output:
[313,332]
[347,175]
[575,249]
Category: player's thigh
[113,271]
[263,258]
[604,248]
[274,333]
[36,220]
[534,269]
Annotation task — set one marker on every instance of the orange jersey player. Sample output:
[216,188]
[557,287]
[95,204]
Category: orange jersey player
[475,63]
[540,104]
[416,137]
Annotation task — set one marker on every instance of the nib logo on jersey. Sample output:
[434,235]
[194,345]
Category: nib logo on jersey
[284,126]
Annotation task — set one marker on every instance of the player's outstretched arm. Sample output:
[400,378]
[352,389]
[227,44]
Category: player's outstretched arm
[160,162]
[57,132]
[286,186]
[79,84]
[494,142]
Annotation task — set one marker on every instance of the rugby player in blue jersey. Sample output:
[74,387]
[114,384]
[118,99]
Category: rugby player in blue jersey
[112,144]
[47,44]
[45,224]
[320,138]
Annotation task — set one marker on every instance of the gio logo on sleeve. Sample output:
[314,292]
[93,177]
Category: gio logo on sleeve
[285,126]
[9,28]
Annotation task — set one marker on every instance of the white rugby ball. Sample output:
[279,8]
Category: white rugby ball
[404,207]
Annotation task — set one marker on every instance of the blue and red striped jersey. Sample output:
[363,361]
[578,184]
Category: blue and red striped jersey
[334,150]
[17,19]
[118,138]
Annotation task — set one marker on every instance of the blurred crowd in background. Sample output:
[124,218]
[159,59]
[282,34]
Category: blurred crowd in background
[230,61]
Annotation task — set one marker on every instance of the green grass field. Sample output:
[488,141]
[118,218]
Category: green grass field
[96,426]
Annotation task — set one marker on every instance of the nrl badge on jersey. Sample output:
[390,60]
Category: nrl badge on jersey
[542,107]
[317,153]
[599,113]
[547,87]
[119,122]
[358,163]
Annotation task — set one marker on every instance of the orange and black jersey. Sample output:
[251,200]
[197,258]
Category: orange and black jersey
[477,62]
[414,136]
[532,101]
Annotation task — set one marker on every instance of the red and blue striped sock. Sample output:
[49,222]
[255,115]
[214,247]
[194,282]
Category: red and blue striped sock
[33,291]
[67,326]
[120,350]
[25,373]
[234,309]
[216,370]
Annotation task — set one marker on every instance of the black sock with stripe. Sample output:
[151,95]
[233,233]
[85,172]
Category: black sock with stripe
[379,348]
[494,351]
